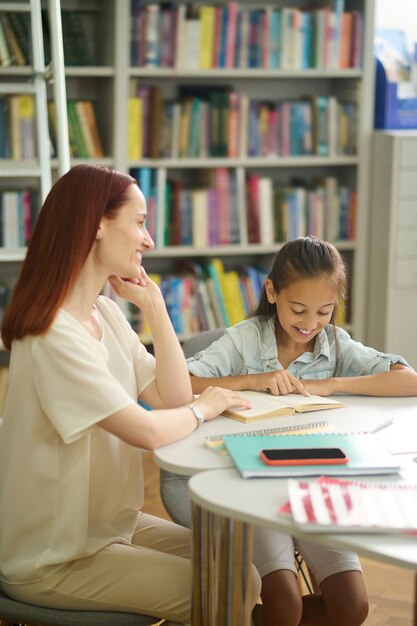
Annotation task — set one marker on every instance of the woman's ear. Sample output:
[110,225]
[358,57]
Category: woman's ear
[270,291]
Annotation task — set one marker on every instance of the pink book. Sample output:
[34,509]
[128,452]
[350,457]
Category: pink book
[234,124]
[252,208]
[27,215]
[272,137]
[217,35]
[356,40]
[223,196]
[232,9]
[345,39]
[285,129]
[265,44]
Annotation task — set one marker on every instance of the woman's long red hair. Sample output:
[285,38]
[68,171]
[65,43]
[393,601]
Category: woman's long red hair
[64,234]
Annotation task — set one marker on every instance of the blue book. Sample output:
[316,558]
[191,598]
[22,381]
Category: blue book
[366,455]
[274,60]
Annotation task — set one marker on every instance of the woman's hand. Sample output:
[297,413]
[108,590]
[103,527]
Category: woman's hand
[143,292]
[278,383]
[215,400]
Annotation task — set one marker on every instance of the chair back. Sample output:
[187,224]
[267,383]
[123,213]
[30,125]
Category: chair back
[201,341]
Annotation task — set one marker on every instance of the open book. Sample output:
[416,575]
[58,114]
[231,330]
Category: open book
[265,405]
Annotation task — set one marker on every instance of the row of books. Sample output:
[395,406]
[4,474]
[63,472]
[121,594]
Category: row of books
[206,296]
[223,210]
[84,136]
[15,38]
[277,213]
[18,210]
[235,36]
[17,127]
[216,121]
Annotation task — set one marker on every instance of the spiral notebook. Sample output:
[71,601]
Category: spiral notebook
[366,454]
[333,505]
[216,442]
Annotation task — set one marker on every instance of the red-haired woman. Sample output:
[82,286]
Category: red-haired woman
[71,534]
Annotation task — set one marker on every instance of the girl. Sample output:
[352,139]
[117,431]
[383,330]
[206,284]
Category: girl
[72,535]
[291,344]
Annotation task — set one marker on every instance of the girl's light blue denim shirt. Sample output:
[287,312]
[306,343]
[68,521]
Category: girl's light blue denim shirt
[250,347]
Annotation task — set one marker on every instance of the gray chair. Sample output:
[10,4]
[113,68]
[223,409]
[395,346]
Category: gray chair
[174,487]
[18,612]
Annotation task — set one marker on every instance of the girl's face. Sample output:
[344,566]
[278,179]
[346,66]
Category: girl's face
[304,307]
[125,237]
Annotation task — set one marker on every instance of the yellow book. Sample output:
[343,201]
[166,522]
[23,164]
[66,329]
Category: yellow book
[134,128]
[233,297]
[207,15]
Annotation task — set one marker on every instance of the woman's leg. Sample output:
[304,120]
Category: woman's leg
[150,576]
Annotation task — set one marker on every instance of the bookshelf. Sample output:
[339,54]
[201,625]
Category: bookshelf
[109,82]
[392,244]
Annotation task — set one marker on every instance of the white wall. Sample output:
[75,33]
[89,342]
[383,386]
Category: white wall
[398,15]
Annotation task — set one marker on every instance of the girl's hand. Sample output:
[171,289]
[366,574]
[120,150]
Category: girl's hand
[141,291]
[215,400]
[278,383]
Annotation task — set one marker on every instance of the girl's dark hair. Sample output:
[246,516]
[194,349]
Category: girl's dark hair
[64,234]
[305,257]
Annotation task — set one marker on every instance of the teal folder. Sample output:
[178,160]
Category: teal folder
[365,453]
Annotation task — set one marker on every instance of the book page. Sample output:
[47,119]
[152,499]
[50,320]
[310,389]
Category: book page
[264,403]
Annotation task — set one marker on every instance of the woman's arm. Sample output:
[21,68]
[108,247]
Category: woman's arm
[399,381]
[172,383]
[152,429]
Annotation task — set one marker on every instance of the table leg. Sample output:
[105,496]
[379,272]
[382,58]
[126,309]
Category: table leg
[415,601]
[221,570]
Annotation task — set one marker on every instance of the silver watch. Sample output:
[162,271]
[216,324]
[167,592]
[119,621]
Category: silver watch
[198,414]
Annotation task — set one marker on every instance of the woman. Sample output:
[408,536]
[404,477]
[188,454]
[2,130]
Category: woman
[72,536]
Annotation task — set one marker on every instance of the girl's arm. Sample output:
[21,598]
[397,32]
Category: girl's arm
[280,382]
[399,381]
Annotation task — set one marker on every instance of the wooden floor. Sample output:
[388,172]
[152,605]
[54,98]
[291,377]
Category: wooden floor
[390,589]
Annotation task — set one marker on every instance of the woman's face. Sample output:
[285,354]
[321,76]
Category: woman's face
[125,237]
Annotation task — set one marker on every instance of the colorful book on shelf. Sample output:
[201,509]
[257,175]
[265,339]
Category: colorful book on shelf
[365,453]
[265,405]
[334,505]
[216,442]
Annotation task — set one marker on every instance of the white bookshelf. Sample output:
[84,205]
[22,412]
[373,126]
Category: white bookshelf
[393,244]
[107,82]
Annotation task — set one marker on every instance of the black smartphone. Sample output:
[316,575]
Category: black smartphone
[304,456]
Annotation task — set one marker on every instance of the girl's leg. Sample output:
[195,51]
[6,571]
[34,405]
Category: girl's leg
[281,600]
[342,600]
[273,556]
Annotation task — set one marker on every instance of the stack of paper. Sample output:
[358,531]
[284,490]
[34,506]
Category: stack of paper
[347,506]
